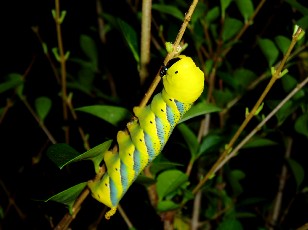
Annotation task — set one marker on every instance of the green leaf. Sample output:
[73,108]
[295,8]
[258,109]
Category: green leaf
[285,111]
[14,80]
[303,22]
[169,181]
[297,170]
[42,106]
[68,196]
[95,154]
[112,114]
[224,5]
[231,27]
[199,109]
[234,177]
[212,15]
[88,46]
[198,13]
[190,139]
[222,97]
[209,143]
[259,142]
[130,37]
[61,154]
[161,163]
[288,83]
[269,50]
[283,43]
[230,224]
[167,205]
[246,8]
[169,9]
[301,125]
[243,77]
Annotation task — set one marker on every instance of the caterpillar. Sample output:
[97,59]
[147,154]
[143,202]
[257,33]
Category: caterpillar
[146,136]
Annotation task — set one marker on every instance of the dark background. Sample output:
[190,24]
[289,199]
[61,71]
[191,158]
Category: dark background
[22,139]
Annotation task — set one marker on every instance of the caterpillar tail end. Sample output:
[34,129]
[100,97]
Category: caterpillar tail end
[110,213]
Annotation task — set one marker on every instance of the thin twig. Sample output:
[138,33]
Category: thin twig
[261,124]
[275,76]
[145,39]
[62,60]
[282,182]
[170,55]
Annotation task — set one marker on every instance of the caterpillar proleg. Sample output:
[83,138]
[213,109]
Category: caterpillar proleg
[147,135]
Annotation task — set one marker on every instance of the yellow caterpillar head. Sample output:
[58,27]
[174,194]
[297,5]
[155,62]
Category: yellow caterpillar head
[182,79]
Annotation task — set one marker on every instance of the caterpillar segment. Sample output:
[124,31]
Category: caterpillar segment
[146,136]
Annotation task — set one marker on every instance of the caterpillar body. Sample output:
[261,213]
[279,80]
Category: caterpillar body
[147,135]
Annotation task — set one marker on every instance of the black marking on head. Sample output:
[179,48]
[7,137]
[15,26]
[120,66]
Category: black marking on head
[151,122]
[176,72]
[171,62]
[163,71]
[106,184]
[170,99]
[129,154]
[140,140]
[165,68]
[162,110]
[116,169]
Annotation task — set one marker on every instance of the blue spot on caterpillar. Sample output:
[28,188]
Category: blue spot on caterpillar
[145,138]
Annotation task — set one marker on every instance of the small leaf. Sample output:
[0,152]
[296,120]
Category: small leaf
[303,22]
[95,154]
[224,5]
[222,97]
[234,177]
[283,43]
[199,109]
[246,8]
[112,114]
[209,143]
[169,9]
[167,205]
[198,13]
[42,106]
[269,50]
[301,124]
[68,196]
[161,163]
[288,83]
[212,15]
[259,142]
[61,154]
[169,181]
[297,170]
[190,139]
[14,80]
[130,36]
[230,224]
[88,46]
[243,77]
[231,27]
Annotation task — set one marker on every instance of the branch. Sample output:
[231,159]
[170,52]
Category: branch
[276,75]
